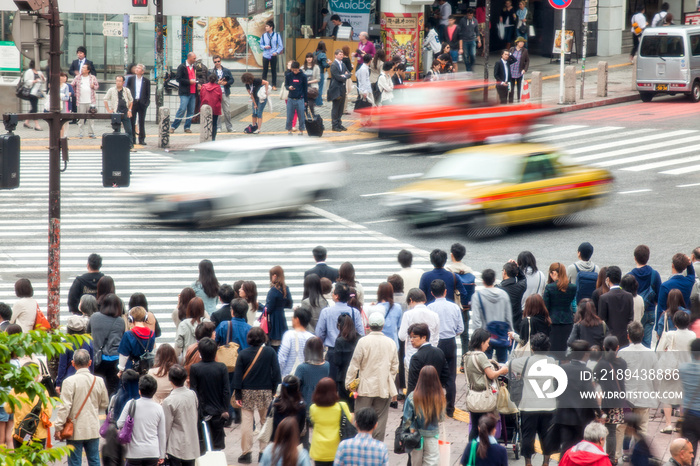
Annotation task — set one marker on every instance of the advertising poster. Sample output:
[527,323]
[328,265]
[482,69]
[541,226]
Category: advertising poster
[402,33]
[569,43]
[9,56]
[236,40]
[355,12]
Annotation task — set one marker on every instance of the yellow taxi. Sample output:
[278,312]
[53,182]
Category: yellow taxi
[501,185]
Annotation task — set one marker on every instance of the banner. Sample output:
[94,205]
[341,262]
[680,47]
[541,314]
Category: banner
[402,35]
[355,12]
[236,40]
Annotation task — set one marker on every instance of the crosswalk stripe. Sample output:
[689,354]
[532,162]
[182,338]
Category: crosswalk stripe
[667,163]
[624,142]
[641,158]
[555,129]
[577,134]
[682,171]
[573,141]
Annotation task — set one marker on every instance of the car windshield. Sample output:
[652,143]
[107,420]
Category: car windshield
[663,46]
[478,167]
[216,161]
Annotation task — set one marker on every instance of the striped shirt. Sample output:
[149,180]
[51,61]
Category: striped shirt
[362,450]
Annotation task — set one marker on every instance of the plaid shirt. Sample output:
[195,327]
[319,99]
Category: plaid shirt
[362,450]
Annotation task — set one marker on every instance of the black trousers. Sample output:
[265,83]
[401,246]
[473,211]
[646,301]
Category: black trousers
[474,421]
[540,424]
[33,103]
[142,462]
[178,462]
[464,337]
[271,63]
[568,436]
[108,371]
[139,110]
[337,112]
[502,93]
[690,429]
[402,368]
[449,347]
[635,44]
[216,431]
[514,87]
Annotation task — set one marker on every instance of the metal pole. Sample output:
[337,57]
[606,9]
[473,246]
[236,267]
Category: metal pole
[562,56]
[583,54]
[487,27]
[160,60]
[125,33]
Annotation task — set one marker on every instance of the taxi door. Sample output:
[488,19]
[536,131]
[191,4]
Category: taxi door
[538,195]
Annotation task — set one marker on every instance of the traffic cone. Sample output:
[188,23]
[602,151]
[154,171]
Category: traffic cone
[525,94]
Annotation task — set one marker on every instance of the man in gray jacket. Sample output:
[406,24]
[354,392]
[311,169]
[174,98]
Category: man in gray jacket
[469,39]
[180,409]
[492,304]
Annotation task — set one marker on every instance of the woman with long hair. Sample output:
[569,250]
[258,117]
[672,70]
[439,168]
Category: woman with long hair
[423,411]
[183,299]
[107,328]
[630,284]
[185,331]
[601,286]
[283,451]
[312,370]
[346,274]
[24,310]
[105,286]
[559,294]
[587,325]
[536,280]
[311,70]
[278,299]
[249,291]
[324,414]
[342,355]
[207,286]
[165,359]
[323,65]
[488,451]
[613,406]
[312,300]
[288,404]
[392,312]
[535,319]
[674,303]
[375,70]
[347,61]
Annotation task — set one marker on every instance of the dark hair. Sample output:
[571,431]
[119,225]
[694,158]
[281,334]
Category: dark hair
[326,285]
[586,251]
[478,338]
[396,282]
[270,23]
[279,282]
[586,314]
[674,302]
[251,292]
[405,258]
[385,292]
[365,419]
[438,258]
[579,346]
[256,337]
[641,254]
[23,288]
[165,359]
[226,294]
[81,49]
[342,291]
[211,79]
[290,396]
[321,47]
[635,331]
[112,306]
[534,306]
[5,311]
[562,279]
[313,61]
[354,300]
[303,315]
[420,330]
[119,76]
[438,287]
[527,259]
[313,350]
[335,18]
[237,285]
[487,423]
[694,346]
[216,57]
[511,269]
[600,283]
[13,329]
[177,375]
[346,325]
[294,65]
[680,262]
[320,253]
[207,348]
[488,276]
[195,310]
[138,299]
[94,261]
[247,78]
[312,289]
[286,441]
[629,284]
[610,345]
[346,274]
[387,66]
[239,308]
[379,56]
[614,274]
[325,394]
[205,329]
[540,342]
[452,17]
[665,6]
[681,320]
[105,286]
[186,295]
[207,278]
[325,11]
[458,251]
[415,295]
[147,386]
[366,58]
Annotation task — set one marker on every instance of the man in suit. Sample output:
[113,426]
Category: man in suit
[140,88]
[616,307]
[321,269]
[223,313]
[427,355]
[337,90]
[74,70]
[224,78]
[501,73]
[186,77]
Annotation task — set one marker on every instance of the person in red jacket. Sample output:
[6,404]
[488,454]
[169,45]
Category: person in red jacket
[591,450]
[211,95]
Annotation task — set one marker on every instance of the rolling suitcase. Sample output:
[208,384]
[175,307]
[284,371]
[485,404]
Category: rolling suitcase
[314,124]
[210,458]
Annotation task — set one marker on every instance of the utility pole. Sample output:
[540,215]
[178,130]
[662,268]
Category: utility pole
[487,34]
[160,59]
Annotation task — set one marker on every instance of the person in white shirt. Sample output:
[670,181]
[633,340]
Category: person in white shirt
[418,313]
[659,17]
[291,352]
[148,439]
[639,23]
[411,276]
[385,84]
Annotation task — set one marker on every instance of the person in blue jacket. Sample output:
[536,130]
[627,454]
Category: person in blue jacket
[677,281]
[649,285]
[438,258]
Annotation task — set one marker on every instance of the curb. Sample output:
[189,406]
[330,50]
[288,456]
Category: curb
[598,103]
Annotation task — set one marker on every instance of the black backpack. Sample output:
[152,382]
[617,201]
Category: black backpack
[28,426]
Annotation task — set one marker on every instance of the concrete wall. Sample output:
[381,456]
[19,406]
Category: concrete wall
[611,21]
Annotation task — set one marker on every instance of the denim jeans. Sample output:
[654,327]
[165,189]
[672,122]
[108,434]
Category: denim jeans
[501,354]
[321,85]
[92,452]
[187,103]
[469,54]
[298,105]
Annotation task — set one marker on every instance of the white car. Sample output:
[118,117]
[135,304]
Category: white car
[236,178]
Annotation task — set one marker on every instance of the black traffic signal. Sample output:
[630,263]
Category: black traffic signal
[9,161]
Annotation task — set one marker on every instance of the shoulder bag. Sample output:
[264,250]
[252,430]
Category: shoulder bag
[41,322]
[253,363]
[265,433]
[480,401]
[516,384]
[127,430]
[504,404]
[67,431]
[228,353]
[521,350]
[347,430]
[21,91]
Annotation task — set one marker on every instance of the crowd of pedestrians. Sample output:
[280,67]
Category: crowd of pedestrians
[349,357]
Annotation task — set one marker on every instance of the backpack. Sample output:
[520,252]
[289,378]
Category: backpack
[497,328]
[27,427]
[585,284]
[145,361]
[322,64]
[650,298]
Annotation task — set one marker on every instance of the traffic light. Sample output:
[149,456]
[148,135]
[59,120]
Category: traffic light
[9,161]
[139,3]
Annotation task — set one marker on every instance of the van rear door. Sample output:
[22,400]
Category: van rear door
[668,50]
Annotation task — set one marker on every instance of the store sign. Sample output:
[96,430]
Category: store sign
[692,19]
[9,56]
[141,19]
[113,28]
[399,22]
[355,12]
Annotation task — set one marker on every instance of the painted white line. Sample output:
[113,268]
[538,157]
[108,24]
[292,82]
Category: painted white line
[646,190]
[665,136]
[381,221]
[642,158]
[687,185]
[576,134]
[605,137]
[556,129]
[682,171]
[667,163]
[359,146]
[403,177]
[686,143]
[376,194]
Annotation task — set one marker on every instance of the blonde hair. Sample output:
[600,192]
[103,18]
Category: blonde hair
[138,314]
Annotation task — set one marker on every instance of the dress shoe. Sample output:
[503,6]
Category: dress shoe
[187,130]
[343,128]
[394,404]
[337,129]
[246,458]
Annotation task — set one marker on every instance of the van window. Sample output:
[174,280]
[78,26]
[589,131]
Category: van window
[664,46]
[695,45]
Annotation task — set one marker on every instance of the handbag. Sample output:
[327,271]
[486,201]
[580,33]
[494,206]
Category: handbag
[521,350]
[284,93]
[472,453]
[265,433]
[262,93]
[41,322]
[347,430]
[127,429]
[228,353]
[484,401]
[516,384]
[68,427]
[504,404]
[21,91]
[361,103]
[109,420]
[264,324]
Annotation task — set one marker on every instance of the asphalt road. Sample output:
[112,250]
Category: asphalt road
[647,207]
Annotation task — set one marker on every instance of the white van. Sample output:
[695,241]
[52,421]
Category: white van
[668,62]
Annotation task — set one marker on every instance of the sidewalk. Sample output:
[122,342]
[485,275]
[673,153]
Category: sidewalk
[619,90]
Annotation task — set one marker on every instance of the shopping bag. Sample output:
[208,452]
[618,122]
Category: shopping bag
[444,448]
[210,458]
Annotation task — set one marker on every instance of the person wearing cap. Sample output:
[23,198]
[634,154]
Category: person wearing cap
[583,264]
[75,325]
[375,363]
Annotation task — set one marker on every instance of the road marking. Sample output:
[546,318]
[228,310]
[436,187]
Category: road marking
[687,185]
[556,129]
[403,177]
[667,163]
[376,194]
[625,142]
[642,158]
[682,171]
[381,221]
[358,146]
[602,129]
[646,190]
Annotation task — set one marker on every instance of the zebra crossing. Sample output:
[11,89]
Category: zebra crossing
[158,260]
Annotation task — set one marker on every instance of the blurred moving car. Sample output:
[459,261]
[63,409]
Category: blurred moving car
[501,185]
[236,178]
[452,112]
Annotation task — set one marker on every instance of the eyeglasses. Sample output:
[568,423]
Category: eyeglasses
[415,337]
[217,62]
